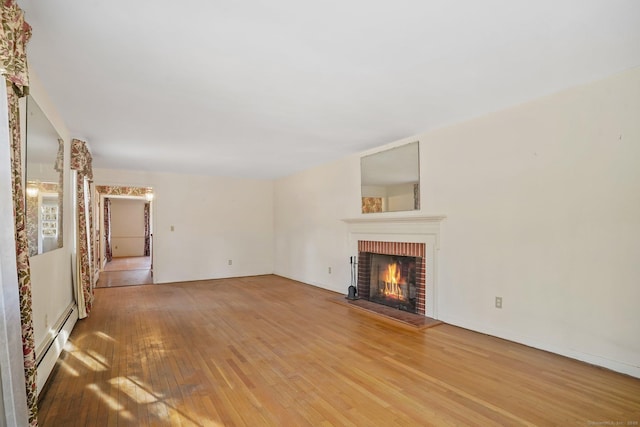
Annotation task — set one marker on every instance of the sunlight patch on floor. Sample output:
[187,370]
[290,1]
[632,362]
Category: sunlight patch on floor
[104,336]
[133,390]
[89,361]
[98,357]
[110,402]
[65,366]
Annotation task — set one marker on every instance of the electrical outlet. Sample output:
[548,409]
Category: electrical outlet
[46,320]
[329,270]
[498,302]
[172,228]
[230,262]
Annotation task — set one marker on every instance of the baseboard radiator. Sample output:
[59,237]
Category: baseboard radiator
[47,354]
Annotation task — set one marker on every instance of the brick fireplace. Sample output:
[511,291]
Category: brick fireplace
[396,237]
[393,274]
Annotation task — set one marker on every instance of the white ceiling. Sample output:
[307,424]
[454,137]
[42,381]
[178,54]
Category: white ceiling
[265,88]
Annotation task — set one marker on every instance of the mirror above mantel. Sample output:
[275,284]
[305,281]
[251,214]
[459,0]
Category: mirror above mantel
[44,182]
[390,180]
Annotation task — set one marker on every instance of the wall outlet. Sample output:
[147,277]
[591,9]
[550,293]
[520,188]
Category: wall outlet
[329,270]
[46,320]
[230,262]
[172,228]
[498,302]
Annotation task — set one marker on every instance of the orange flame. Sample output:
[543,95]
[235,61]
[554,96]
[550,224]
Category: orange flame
[392,280]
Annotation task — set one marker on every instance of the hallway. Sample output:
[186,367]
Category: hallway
[126,271]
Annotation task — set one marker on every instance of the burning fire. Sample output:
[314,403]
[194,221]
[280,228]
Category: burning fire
[392,282]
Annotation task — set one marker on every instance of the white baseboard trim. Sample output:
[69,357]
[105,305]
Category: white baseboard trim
[52,350]
[593,359]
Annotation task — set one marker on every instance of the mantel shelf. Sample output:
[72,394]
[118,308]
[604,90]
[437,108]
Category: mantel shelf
[392,219]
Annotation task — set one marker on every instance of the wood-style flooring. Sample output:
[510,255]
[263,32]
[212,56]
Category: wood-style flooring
[126,271]
[268,351]
[128,263]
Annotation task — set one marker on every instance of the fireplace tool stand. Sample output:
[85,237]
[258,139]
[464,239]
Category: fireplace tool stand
[353,291]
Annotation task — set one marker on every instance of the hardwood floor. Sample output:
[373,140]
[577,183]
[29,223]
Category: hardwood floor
[270,351]
[126,271]
[129,263]
[109,279]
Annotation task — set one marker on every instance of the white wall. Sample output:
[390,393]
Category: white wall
[543,209]
[214,220]
[310,236]
[127,227]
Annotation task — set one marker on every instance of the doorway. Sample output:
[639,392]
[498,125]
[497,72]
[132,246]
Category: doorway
[125,238]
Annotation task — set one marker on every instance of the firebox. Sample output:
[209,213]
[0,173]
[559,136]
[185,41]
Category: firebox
[392,281]
[393,274]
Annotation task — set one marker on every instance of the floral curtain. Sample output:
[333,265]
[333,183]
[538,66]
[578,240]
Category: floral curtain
[14,34]
[147,229]
[81,162]
[92,233]
[119,190]
[108,253]
[59,167]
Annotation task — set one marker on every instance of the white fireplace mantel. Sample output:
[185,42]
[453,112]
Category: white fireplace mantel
[420,229]
[410,218]
[397,226]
